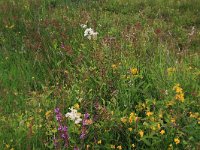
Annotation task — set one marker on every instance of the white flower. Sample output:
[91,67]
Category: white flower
[88,31]
[74,115]
[83,26]
[90,34]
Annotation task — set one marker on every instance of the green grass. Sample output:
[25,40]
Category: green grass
[159,39]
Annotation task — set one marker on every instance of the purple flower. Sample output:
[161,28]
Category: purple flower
[58,115]
[86,116]
[84,126]
[63,130]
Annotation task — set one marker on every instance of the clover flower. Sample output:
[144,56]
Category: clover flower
[90,34]
[74,115]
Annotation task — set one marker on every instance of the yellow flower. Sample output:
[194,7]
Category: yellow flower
[162,132]
[134,71]
[114,66]
[180,97]
[173,120]
[99,142]
[194,115]
[141,133]
[112,112]
[170,147]
[47,114]
[123,119]
[76,106]
[112,146]
[130,129]
[7,145]
[149,113]
[177,141]
[132,116]
[133,145]
[158,126]
[119,147]
[179,90]
[176,86]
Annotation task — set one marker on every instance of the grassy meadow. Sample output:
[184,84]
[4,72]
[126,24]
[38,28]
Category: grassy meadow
[99,74]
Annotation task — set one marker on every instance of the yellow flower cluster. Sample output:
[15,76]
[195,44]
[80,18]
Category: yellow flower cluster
[179,93]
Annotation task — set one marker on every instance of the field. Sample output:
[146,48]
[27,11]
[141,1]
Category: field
[99,74]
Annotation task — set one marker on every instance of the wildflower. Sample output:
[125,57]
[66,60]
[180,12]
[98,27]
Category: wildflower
[173,120]
[179,93]
[74,115]
[63,130]
[149,113]
[180,97]
[76,106]
[84,124]
[131,117]
[88,121]
[114,66]
[83,26]
[158,126]
[177,141]
[194,115]
[58,115]
[123,119]
[119,147]
[112,146]
[170,147]
[141,133]
[47,114]
[64,134]
[99,142]
[90,34]
[130,129]
[133,145]
[162,132]
[134,71]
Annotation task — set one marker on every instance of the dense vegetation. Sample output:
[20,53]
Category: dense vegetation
[99,74]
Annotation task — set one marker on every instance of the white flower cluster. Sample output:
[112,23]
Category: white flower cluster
[74,115]
[90,34]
